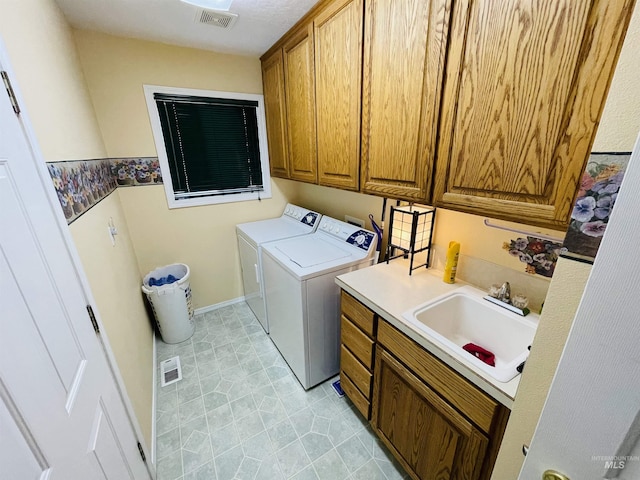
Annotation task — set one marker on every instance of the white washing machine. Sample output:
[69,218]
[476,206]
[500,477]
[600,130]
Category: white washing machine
[293,222]
[303,300]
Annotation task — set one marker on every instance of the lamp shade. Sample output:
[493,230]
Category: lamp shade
[411,231]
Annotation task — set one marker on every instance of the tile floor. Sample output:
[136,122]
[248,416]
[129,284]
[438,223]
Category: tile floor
[239,413]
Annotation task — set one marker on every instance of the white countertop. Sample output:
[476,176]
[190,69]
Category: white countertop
[389,290]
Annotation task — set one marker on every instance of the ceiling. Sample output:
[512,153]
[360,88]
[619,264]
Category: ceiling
[260,22]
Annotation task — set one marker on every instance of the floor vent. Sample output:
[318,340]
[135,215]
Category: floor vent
[171,371]
[218,19]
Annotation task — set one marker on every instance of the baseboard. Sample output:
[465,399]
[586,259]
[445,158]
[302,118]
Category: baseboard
[153,402]
[226,303]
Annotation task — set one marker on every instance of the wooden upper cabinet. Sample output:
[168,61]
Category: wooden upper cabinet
[405,42]
[273,87]
[338,66]
[300,105]
[525,86]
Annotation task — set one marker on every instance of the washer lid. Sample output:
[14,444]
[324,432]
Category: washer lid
[293,222]
[312,251]
[272,229]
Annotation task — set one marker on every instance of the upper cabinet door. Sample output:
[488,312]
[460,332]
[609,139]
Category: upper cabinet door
[525,86]
[300,100]
[338,64]
[404,53]
[273,86]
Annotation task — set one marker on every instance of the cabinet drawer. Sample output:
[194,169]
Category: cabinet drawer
[361,403]
[357,342]
[469,400]
[360,376]
[358,313]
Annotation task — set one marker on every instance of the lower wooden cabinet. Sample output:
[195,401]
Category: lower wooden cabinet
[426,434]
[435,422]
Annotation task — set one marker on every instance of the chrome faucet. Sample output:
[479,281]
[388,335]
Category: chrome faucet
[504,294]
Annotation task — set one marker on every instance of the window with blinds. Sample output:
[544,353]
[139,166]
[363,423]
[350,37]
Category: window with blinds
[211,145]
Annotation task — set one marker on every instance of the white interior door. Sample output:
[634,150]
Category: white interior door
[61,416]
[590,425]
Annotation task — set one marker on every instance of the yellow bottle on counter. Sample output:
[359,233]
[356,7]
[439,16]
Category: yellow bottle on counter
[451,265]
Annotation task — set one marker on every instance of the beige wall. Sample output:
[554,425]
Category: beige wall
[338,203]
[620,122]
[476,239]
[483,261]
[202,237]
[116,68]
[41,49]
[115,285]
[42,52]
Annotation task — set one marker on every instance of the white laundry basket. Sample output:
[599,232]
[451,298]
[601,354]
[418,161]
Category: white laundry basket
[171,302]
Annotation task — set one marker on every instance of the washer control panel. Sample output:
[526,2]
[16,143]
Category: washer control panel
[302,215]
[361,239]
[351,234]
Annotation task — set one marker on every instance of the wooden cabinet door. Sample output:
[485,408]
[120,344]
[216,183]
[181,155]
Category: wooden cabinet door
[525,86]
[427,435]
[273,86]
[300,101]
[338,66]
[404,51]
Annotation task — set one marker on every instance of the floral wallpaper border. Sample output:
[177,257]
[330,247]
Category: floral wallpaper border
[81,184]
[136,171]
[599,188]
[540,255]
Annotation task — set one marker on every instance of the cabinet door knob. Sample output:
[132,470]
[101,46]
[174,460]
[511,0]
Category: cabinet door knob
[553,475]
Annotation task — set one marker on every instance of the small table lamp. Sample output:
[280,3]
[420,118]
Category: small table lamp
[410,232]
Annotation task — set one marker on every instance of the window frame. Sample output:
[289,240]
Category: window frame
[163,159]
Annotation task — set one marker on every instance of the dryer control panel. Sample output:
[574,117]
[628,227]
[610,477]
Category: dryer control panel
[351,234]
[302,215]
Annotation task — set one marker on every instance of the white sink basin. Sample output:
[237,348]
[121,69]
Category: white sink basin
[463,316]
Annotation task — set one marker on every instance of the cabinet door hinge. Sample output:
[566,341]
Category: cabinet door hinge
[142,455]
[92,317]
[10,92]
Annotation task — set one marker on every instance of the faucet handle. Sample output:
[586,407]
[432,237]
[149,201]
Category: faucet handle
[519,301]
[494,290]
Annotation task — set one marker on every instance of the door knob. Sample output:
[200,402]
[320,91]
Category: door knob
[553,475]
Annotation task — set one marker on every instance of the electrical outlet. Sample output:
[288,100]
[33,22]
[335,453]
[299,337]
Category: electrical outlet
[354,221]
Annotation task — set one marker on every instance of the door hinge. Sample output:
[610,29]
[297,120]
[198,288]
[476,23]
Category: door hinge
[142,455]
[10,92]
[92,317]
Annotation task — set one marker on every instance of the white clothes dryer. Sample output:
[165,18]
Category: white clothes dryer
[293,222]
[303,300]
